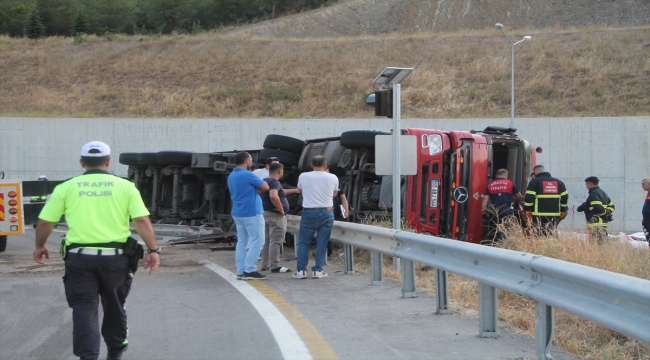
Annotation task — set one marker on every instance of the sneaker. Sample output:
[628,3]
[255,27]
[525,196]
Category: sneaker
[240,276]
[318,274]
[300,274]
[253,276]
[116,354]
[280,269]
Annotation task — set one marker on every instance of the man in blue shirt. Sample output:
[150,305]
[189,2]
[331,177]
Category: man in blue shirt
[247,211]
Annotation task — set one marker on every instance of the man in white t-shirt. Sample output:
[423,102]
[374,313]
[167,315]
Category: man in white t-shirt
[318,189]
[264,172]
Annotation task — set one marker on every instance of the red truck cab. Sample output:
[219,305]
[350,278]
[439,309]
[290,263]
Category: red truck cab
[454,167]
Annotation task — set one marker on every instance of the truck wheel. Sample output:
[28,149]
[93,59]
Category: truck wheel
[3,243]
[174,157]
[359,138]
[286,158]
[285,143]
[148,158]
[129,158]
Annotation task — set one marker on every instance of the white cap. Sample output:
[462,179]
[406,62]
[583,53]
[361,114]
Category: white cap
[95,149]
[43,177]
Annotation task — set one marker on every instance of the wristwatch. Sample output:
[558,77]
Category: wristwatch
[156,250]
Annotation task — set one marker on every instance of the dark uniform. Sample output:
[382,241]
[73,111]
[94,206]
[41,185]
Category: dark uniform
[597,208]
[646,218]
[502,196]
[546,198]
[97,206]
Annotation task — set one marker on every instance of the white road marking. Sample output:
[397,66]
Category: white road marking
[290,343]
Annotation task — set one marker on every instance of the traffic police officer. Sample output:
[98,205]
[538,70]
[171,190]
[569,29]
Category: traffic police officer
[598,209]
[97,206]
[546,201]
[502,193]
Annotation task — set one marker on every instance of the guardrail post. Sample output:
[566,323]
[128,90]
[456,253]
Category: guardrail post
[442,296]
[487,311]
[397,263]
[544,323]
[376,268]
[408,279]
[349,259]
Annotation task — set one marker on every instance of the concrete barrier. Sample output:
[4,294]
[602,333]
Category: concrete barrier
[615,149]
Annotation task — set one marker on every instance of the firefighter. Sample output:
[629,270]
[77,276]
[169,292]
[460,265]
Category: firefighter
[598,209]
[502,193]
[546,201]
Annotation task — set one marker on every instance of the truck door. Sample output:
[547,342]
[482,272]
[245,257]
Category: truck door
[456,191]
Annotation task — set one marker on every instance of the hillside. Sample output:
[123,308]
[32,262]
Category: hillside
[371,17]
[586,58]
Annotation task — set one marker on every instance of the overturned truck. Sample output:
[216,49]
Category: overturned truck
[443,198]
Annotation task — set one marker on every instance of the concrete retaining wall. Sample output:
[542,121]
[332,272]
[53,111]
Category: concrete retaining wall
[616,150]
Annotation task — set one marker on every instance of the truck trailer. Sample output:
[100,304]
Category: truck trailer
[442,199]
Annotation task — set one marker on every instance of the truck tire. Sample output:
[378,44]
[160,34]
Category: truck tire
[129,158]
[286,143]
[286,158]
[3,243]
[148,158]
[360,138]
[183,158]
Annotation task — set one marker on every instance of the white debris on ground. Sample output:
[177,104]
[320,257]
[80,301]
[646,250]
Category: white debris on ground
[636,240]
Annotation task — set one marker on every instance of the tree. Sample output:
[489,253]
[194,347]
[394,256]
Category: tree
[169,15]
[80,25]
[35,28]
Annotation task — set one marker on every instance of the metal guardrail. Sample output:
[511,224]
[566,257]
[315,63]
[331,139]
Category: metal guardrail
[616,301]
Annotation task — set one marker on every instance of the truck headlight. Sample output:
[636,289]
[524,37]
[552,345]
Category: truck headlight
[435,144]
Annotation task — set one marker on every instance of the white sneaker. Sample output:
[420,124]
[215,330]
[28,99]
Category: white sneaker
[318,274]
[300,274]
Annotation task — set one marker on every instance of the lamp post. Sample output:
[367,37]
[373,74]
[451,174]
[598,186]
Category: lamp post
[512,77]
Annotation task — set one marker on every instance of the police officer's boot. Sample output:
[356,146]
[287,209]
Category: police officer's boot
[116,354]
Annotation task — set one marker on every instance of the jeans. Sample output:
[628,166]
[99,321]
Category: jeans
[276,228]
[250,238]
[319,222]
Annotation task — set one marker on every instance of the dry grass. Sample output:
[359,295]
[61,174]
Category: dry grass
[580,337]
[574,72]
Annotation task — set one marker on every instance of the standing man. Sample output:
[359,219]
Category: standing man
[247,211]
[598,209]
[318,189]
[264,172]
[645,183]
[502,193]
[275,206]
[97,206]
[546,201]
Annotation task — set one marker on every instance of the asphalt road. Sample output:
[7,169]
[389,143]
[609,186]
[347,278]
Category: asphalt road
[194,308]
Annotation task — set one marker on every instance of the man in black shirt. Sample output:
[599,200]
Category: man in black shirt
[275,206]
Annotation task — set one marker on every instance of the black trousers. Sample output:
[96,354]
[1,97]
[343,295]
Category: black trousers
[546,225]
[498,216]
[87,279]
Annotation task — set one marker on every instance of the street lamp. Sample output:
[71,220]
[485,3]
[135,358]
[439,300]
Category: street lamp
[512,78]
